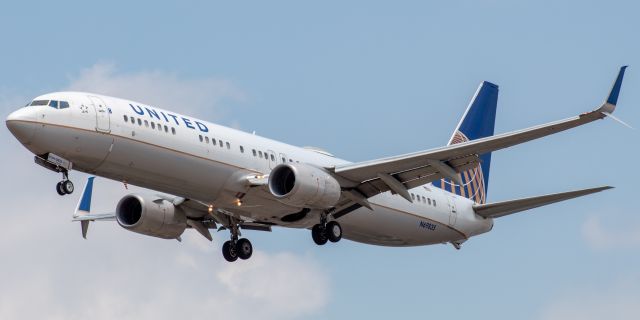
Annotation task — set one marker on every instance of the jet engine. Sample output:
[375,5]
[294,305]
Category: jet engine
[304,186]
[151,216]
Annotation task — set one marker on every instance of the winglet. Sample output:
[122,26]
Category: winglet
[84,206]
[609,105]
[615,90]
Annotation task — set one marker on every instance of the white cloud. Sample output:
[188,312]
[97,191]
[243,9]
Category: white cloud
[618,302]
[200,96]
[601,237]
[48,271]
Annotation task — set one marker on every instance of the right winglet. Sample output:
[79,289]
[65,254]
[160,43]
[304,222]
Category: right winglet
[610,104]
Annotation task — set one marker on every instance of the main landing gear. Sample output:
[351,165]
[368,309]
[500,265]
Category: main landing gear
[65,186]
[236,248]
[326,231]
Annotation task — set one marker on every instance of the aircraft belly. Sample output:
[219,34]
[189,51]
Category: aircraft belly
[387,227]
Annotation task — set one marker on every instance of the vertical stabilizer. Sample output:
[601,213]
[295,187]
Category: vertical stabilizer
[477,122]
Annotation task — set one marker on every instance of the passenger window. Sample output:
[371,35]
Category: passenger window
[206,139]
[220,143]
[53,104]
[228,145]
[200,136]
[159,127]
[241,149]
[429,201]
[139,122]
[153,125]
[260,153]
[290,160]
[213,141]
[173,130]
[146,123]
[254,152]
[413,196]
[133,120]
[273,158]
[434,202]
[126,119]
[284,160]
[64,104]
[166,129]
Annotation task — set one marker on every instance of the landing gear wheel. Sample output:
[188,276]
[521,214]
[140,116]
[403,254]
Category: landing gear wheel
[229,251]
[318,234]
[67,186]
[244,249]
[333,231]
[59,189]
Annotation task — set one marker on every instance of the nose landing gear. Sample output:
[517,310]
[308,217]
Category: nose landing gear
[65,186]
[57,164]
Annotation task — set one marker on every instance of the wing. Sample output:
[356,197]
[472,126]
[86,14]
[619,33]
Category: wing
[403,172]
[501,209]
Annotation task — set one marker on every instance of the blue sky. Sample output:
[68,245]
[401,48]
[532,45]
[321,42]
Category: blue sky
[363,79]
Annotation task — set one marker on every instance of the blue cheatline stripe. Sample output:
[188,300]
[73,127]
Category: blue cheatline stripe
[85,202]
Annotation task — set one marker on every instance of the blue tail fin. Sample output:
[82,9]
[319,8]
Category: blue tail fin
[477,122]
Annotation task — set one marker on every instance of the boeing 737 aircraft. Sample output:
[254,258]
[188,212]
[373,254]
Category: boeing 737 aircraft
[221,178]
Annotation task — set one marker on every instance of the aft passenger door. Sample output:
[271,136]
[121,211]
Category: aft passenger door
[103,122]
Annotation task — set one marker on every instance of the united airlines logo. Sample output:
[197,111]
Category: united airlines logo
[168,117]
[472,180]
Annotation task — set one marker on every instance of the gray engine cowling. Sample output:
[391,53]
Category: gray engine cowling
[150,216]
[304,186]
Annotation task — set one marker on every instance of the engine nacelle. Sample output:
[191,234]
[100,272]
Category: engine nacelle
[304,186]
[151,216]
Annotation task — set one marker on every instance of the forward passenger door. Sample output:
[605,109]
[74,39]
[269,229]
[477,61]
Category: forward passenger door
[103,122]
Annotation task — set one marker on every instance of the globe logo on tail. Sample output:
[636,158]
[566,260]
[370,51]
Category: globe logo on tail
[472,180]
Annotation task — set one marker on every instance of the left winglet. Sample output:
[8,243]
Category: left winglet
[84,206]
[83,211]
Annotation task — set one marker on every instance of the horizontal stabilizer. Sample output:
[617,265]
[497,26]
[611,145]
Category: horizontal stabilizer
[500,209]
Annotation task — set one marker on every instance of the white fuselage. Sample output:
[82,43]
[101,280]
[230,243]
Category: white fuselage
[165,151]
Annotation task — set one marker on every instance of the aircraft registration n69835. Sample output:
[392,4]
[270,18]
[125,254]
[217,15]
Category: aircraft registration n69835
[221,177]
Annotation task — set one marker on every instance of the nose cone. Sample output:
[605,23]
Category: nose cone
[22,124]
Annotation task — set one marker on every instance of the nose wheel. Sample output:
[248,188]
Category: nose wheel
[65,186]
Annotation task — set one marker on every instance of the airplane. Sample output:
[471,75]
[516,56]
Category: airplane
[211,177]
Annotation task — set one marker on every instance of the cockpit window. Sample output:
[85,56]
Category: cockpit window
[56,104]
[39,103]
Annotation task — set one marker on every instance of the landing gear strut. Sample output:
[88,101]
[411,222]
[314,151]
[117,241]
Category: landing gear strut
[65,186]
[326,231]
[236,248]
